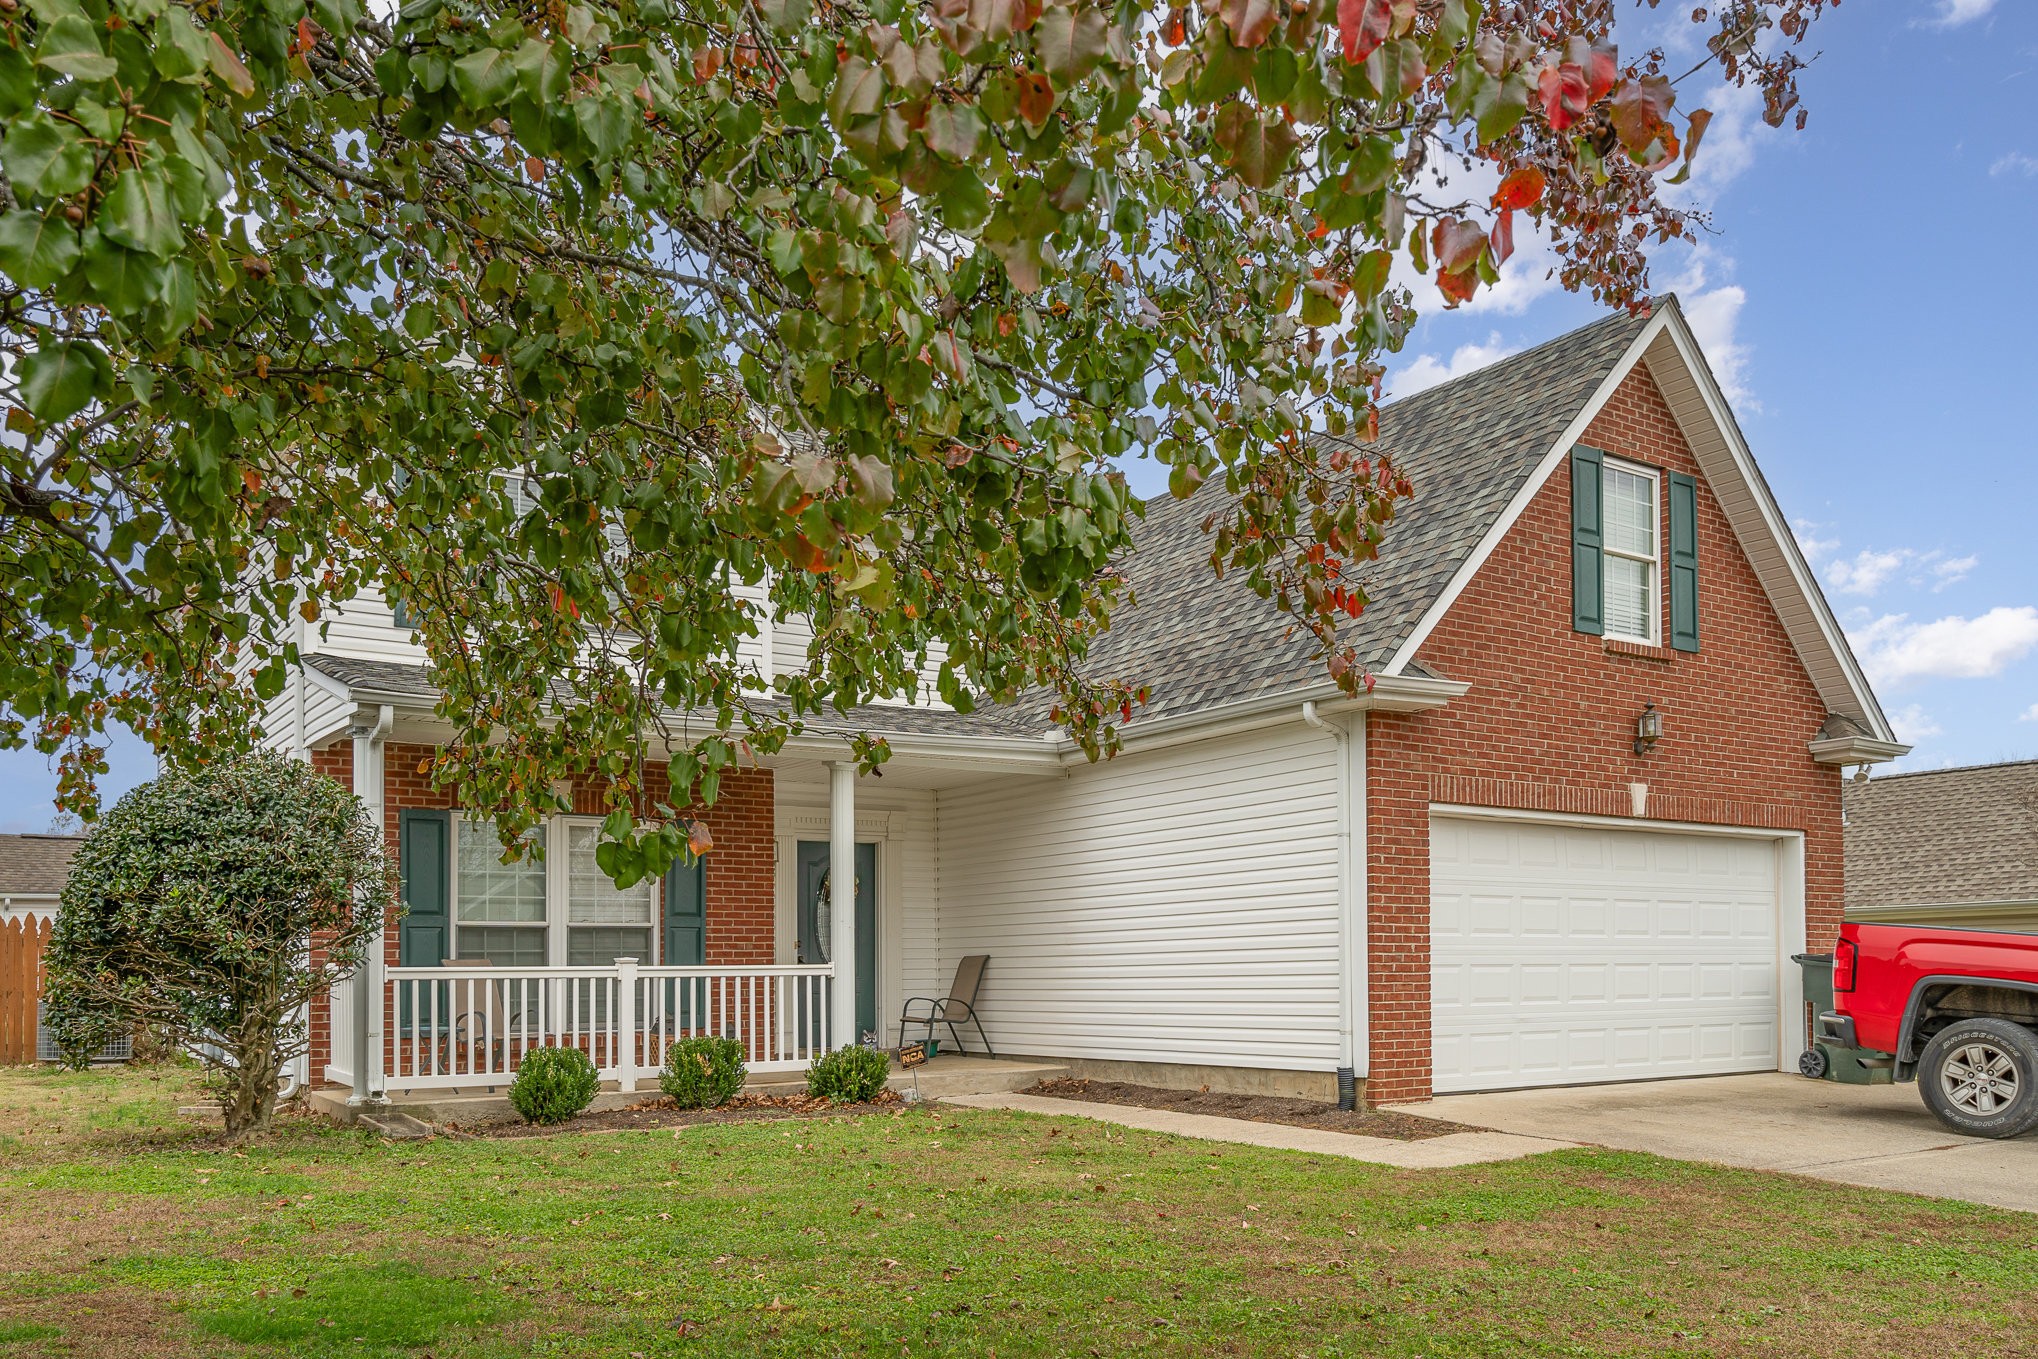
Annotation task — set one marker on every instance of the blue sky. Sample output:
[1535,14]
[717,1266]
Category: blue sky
[1864,300]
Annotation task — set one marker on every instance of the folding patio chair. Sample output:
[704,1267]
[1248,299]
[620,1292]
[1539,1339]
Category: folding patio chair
[959,1003]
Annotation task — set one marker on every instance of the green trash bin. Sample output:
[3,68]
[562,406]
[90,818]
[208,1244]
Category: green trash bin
[1823,1061]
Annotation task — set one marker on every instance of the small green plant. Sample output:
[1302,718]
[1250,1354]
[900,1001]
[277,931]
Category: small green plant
[848,1074]
[701,1073]
[553,1085]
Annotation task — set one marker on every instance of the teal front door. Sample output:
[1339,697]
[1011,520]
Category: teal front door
[814,925]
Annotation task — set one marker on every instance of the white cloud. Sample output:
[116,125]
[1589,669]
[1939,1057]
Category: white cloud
[1867,571]
[2029,714]
[1913,724]
[1728,146]
[1428,370]
[2014,163]
[1715,318]
[1895,650]
[1806,531]
[1953,13]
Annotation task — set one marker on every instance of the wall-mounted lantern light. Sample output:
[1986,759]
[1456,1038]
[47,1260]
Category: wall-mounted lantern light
[1648,729]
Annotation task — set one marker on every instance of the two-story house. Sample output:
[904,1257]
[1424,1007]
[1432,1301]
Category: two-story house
[1574,831]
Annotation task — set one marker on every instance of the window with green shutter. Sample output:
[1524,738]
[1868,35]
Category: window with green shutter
[1588,582]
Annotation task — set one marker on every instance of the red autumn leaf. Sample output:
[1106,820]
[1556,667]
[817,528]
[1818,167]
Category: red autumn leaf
[1563,91]
[1523,188]
[1602,68]
[699,840]
[1177,30]
[1249,21]
[1036,98]
[1362,25]
[1502,236]
[1641,112]
[1456,245]
[1457,288]
[706,62]
[535,168]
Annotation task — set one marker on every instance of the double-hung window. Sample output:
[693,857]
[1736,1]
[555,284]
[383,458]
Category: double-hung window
[559,910]
[1629,494]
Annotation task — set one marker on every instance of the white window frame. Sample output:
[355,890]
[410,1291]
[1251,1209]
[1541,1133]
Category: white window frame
[1654,477]
[557,889]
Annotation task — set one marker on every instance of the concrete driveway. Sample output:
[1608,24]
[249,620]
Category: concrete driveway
[1870,1135]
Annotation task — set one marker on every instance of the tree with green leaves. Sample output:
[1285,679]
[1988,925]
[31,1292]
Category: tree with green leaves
[862,302]
[187,913]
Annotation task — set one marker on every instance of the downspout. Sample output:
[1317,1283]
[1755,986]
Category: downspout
[369,787]
[1351,948]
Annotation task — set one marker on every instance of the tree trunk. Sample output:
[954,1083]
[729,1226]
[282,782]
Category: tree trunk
[250,1102]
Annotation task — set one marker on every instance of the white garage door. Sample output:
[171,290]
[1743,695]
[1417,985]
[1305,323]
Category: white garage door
[1563,955]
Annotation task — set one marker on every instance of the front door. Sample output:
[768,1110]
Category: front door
[815,903]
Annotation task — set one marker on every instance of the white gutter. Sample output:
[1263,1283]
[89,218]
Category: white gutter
[1389,694]
[1353,1039]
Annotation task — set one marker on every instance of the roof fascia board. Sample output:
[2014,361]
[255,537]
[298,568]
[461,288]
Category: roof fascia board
[1844,750]
[1391,694]
[1773,521]
[1527,493]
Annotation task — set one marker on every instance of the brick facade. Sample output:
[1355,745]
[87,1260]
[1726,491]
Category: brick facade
[1550,717]
[740,870]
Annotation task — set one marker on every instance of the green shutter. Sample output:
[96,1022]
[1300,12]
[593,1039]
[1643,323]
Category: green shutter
[424,844]
[1683,562]
[1588,582]
[686,914]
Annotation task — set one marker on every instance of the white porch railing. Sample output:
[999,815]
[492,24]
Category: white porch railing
[468,1025]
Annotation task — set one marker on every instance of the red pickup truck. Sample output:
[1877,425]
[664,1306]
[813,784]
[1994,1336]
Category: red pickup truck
[1954,1009]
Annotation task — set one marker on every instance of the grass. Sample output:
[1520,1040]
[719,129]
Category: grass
[944,1231]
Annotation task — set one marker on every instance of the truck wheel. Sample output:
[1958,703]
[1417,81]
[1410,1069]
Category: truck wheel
[1980,1077]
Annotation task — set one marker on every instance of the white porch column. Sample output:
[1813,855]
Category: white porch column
[842,900]
[368,979]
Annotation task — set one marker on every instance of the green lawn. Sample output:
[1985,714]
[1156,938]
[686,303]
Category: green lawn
[929,1231]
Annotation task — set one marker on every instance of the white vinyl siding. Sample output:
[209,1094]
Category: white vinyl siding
[1564,954]
[1631,504]
[1175,906]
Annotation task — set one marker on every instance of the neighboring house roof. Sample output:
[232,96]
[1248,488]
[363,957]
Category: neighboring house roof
[1944,837]
[1476,450]
[36,865]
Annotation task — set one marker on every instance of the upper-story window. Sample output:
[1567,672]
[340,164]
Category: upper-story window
[1629,559]
[1634,530]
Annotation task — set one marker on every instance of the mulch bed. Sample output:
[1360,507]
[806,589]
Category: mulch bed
[1299,1113]
[663,1113]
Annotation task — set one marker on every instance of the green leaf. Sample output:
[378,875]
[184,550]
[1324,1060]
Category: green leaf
[542,70]
[786,16]
[1499,104]
[181,50]
[952,131]
[176,307]
[61,379]
[859,91]
[71,47]
[125,281]
[605,121]
[1070,43]
[46,157]
[485,78]
[138,214]
[36,249]
[17,82]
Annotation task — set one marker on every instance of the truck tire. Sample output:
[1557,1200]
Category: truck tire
[1980,1077]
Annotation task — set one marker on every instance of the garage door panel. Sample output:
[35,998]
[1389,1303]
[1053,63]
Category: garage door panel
[1565,954]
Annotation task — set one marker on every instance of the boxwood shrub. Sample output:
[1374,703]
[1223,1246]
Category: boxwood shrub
[701,1073]
[553,1085]
[848,1074]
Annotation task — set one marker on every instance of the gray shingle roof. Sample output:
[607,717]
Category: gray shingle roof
[1944,836]
[32,865]
[1466,445]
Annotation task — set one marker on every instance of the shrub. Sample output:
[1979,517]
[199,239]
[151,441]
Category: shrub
[701,1073]
[186,915]
[553,1085]
[848,1074]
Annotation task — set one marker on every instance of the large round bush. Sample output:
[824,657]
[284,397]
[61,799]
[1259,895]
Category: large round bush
[701,1073]
[189,911]
[553,1085]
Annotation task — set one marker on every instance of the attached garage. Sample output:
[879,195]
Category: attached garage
[1572,952]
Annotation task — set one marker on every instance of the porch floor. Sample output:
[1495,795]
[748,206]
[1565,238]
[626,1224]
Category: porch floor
[939,1078]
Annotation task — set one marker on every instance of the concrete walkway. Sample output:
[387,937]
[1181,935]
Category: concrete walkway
[1435,1153]
[1875,1135]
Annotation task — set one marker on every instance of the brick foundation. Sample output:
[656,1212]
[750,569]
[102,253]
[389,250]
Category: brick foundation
[1550,718]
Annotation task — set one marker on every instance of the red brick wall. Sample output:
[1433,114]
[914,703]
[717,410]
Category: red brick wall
[741,883]
[1550,717]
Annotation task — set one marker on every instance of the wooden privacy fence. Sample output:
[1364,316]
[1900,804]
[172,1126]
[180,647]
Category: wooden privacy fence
[21,944]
